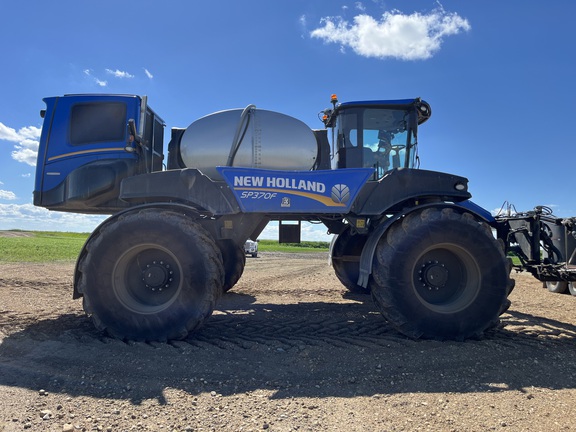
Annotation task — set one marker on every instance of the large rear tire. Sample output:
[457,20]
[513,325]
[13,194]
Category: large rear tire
[346,252]
[150,275]
[234,261]
[440,274]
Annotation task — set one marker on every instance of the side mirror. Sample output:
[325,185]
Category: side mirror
[132,130]
[132,137]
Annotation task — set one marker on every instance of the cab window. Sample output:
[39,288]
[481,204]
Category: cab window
[374,138]
[97,122]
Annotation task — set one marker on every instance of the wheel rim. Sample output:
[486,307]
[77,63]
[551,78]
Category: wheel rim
[446,278]
[147,278]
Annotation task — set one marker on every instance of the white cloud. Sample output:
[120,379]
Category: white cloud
[99,82]
[119,74]
[148,74]
[26,142]
[30,217]
[7,195]
[8,134]
[395,35]
[25,154]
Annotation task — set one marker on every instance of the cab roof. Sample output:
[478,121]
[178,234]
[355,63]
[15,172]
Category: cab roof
[422,107]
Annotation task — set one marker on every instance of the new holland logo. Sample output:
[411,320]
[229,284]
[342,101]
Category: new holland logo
[340,193]
[269,191]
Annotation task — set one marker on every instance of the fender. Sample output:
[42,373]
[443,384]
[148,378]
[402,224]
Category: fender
[367,255]
[187,185]
[477,210]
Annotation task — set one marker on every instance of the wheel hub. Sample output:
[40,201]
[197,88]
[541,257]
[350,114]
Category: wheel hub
[433,275]
[157,276]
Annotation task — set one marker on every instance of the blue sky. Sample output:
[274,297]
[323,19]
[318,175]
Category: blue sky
[499,75]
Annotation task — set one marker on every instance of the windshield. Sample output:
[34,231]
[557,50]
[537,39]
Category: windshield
[377,138]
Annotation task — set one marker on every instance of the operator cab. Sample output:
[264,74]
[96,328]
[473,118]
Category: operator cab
[89,144]
[376,134]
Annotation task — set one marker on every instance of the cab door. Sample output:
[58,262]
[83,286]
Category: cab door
[82,155]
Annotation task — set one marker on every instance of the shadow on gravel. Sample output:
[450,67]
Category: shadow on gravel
[296,350]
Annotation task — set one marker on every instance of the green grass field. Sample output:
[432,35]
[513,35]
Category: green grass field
[40,246]
[515,260]
[305,246]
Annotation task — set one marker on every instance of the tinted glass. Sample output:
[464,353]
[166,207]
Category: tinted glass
[97,122]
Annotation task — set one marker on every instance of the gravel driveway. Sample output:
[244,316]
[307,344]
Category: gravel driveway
[288,349]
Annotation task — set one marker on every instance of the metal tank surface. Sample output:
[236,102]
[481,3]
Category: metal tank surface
[248,138]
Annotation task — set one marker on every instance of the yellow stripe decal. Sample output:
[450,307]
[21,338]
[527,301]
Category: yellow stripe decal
[78,153]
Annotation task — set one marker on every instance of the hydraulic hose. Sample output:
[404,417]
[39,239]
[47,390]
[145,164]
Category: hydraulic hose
[239,135]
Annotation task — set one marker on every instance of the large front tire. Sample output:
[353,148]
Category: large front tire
[151,275]
[440,274]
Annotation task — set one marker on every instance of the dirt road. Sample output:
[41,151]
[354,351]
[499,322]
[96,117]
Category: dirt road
[287,350]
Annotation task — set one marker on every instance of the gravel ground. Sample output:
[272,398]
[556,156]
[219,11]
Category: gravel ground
[287,350]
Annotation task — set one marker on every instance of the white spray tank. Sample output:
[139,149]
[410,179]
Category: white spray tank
[251,138]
